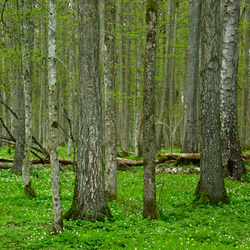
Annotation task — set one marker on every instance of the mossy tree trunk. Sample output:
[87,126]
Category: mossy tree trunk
[89,197]
[211,186]
[149,141]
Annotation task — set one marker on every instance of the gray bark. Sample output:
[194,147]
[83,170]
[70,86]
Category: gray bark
[192,80]
[110,104]
[125,126]
[164,112]
[231,152]
[121,69]
[19,152]
[149,142]
[211,186]
[27,69]
[246,85]
[89,197]
[53,125]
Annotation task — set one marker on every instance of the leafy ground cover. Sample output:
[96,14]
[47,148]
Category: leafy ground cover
[25,222]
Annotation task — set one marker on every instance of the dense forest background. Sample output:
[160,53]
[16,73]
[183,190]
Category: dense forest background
[130,31]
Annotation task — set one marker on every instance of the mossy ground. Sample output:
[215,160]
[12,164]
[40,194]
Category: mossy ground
[25,223]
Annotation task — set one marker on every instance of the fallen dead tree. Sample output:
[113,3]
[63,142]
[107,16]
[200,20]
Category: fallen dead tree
[195,170]
[162,160]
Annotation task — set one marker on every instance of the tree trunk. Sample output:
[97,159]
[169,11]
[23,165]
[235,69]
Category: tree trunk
[246,85]
[27,67]
[231,153]
[192,80]
[149,142]
[53,124]
[125,126]
[19,152]
[110,104]
[167,76]
[211,186]
[89,200]
[121,69]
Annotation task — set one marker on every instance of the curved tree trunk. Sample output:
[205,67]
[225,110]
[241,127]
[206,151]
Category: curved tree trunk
[211,186]
[231,152]
[89,197]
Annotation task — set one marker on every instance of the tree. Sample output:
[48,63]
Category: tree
[211,185]
[110,104]
[245,95]
[149,142]
[192,80]
[167,77]
[27,71]
[89,200]
[231,152]
[19,152]
[53,132]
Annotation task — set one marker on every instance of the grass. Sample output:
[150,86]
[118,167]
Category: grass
[25,222]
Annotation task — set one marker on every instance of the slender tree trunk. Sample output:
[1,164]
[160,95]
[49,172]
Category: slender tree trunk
[53,125]
[149,143]
[246,84]
[192,80]
[19,152]
[121,69]
[211,187]
[172,86]
[137,101]
[125,126]
[164,108]
[27,68]
[231,152]
[71,93]
[110,105]
[89,197]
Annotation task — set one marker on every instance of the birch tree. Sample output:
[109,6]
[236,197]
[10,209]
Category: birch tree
[53,125]
[110,104]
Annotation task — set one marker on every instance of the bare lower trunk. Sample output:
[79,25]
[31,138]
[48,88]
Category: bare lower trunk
[149,142]
[110,105]
[211,186]
[164,112]
[192,79]
[53,124]
[231,153]
[27,47]
[19,152]
[89,200]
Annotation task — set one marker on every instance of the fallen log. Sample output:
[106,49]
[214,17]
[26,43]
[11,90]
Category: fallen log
[195,170]
[5,159]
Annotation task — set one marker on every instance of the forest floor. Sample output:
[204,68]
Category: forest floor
[25,222]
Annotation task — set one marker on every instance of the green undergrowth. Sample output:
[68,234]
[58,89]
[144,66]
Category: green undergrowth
[25,222]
